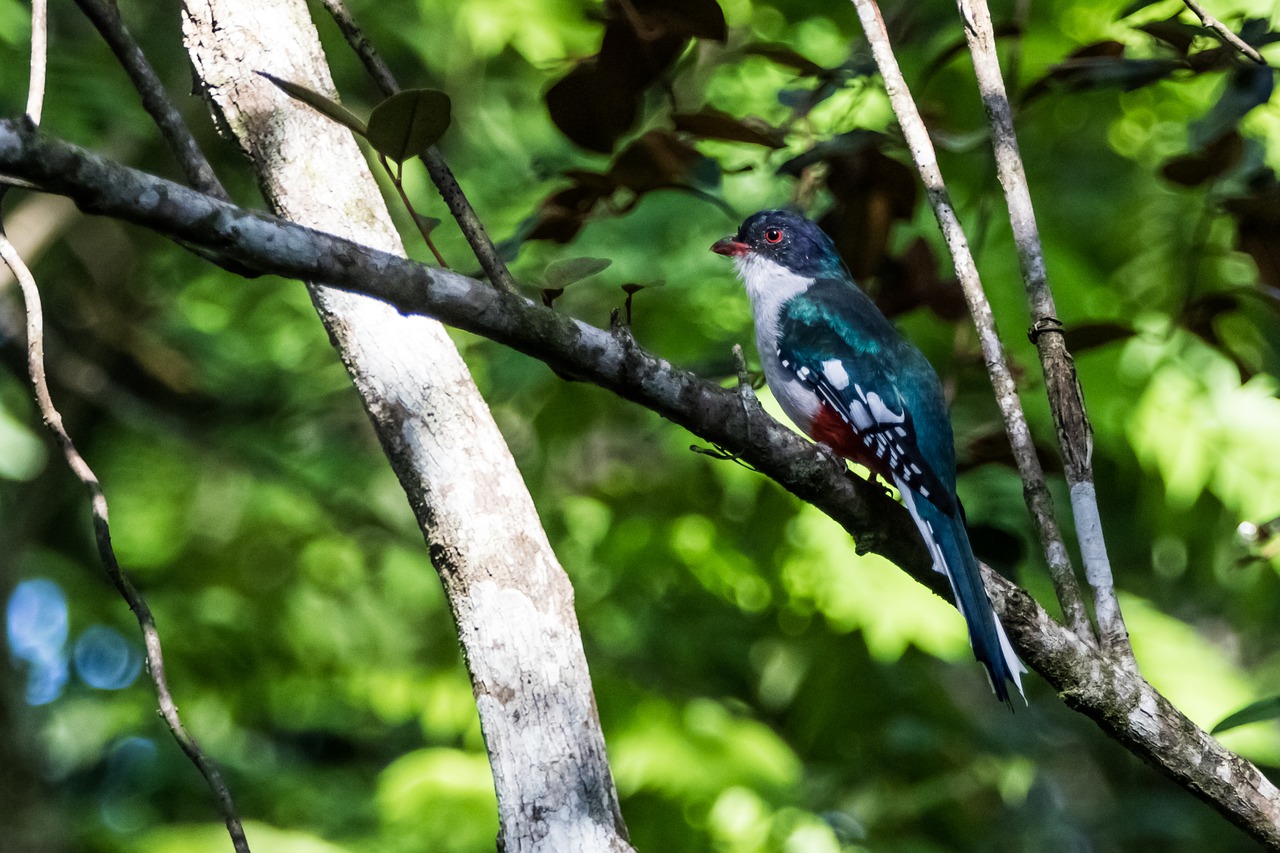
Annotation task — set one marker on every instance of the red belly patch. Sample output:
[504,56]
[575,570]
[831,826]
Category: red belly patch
[835,432]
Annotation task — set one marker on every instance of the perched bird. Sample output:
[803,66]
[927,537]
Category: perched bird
[848,378]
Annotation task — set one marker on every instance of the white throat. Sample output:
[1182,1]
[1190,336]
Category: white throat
[769,285]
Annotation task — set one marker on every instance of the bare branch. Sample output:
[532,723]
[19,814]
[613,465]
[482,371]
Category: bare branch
[102,534]
[1066,398]
[1128,709]
[1224,32]
[1039,501]
[441,175]
[39,59]
[105,15]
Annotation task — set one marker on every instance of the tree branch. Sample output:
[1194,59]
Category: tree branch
[1036,492]
[510,598]
[105,15]
[1128,709]
[1066,397]
[1224,32]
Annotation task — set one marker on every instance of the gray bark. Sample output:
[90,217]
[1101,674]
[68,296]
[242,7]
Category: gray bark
[511,599]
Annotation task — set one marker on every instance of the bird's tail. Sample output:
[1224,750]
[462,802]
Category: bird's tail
[948,543]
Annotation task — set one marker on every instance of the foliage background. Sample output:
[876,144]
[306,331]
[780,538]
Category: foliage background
[761,687]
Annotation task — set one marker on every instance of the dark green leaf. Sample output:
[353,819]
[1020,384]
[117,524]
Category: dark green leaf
[1263,709]
[562,273]
[318,102]
[408,123]
[635,287]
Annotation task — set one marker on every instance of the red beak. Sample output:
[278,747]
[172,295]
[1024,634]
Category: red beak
[730,247]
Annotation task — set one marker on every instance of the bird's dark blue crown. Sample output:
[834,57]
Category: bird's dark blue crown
[793,242]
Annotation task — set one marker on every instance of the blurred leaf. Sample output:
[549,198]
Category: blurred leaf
[593,105]
[1102,64]
[1216,159]
[562,273]
[1174,32]
[660,160]
[1136,6]
[784,55]
[408,123]
[1087,336]
[1247,87]
[1258,229]
[681,18]
[1263,709]
[318,102]
[711,123]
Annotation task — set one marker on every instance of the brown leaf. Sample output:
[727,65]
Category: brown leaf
[593,105]
[1217,158]
[711,123]
[1087,336]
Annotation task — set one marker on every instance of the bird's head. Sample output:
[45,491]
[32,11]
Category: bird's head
[785,238]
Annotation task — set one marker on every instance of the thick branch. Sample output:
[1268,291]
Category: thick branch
[1036,492]
[1123,705]
[510,598]
[1066,398]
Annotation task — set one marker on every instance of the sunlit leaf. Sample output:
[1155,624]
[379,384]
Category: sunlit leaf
[408,123]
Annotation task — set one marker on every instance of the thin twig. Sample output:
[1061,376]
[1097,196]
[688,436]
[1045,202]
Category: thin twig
[97,498]
[39,59]
[396,175]
[102,534]
[1224,33]
[495,269]
[1039,501]
[1066,399]
[105,15]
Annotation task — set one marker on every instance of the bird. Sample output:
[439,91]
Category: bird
[849,380]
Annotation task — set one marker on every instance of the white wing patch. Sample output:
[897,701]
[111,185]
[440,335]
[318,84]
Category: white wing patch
[882,413]
[833,370]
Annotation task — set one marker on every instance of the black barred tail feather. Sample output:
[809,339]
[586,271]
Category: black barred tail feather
[952,555]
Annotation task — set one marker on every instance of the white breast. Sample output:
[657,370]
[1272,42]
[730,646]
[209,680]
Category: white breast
[770,286]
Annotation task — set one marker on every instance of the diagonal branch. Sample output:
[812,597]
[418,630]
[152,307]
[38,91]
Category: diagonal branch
[1223,32]
[1066,398]
[1127,708]
[105,15]
[1036,492]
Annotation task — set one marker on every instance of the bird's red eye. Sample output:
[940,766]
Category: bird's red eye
[773,235]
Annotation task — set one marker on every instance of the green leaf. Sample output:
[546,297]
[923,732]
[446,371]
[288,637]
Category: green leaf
[408,123]
[1263,709]
[318,102]
[561,274]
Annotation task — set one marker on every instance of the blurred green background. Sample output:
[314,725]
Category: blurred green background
[761,687]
